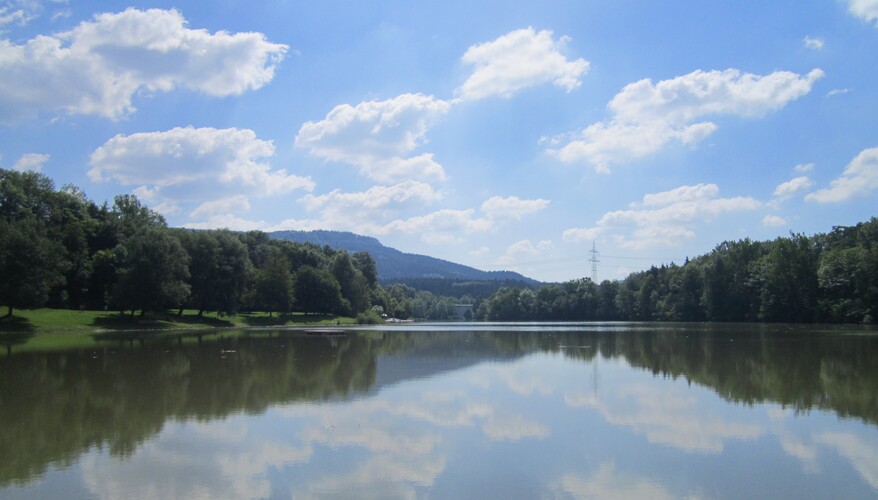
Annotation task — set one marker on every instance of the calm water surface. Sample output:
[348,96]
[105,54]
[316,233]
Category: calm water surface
[448,411]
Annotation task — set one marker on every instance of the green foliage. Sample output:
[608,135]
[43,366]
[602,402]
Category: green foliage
[218,270]
[153,272]
[130,216]
[365,264]
[789,281]
[827,278]
[31,264]
[396,300]
[369,317]
[59,249]
[318,291]
[459,288]
[273,284]
[353,285]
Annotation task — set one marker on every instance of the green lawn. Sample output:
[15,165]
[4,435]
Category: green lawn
[62,320]
[60,328]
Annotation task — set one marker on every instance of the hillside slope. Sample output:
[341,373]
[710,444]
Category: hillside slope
[393,264]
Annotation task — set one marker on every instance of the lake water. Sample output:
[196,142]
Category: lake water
[614,410]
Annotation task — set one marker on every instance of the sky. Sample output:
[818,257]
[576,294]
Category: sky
[497,134]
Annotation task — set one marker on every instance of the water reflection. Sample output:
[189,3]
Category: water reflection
[525,411]
[607,483]
[671,415]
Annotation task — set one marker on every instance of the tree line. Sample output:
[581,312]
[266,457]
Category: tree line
[59,249]
[825,278]
[471,289]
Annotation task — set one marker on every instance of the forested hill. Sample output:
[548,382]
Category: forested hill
[396,265]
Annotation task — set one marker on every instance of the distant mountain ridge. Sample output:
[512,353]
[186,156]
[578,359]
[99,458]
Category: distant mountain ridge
[396,265]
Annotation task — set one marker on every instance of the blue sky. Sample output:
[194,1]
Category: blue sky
[502,135]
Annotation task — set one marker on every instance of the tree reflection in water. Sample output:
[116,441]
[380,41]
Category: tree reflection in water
[56,405]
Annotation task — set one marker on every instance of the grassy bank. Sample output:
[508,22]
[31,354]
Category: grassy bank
[58,328]
[62,320]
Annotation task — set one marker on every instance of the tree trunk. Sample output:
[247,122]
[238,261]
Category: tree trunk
[9,314]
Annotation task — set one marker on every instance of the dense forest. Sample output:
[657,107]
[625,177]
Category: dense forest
[58,249]
[826,278]
[466,290]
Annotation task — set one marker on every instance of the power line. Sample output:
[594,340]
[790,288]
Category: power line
[659,259]
[579,258]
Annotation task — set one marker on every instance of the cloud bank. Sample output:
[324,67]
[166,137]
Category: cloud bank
[663,219]
[647,116]
[378,136]
[98,67]
[181,165]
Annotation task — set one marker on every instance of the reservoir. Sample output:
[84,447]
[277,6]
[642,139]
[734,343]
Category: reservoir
[447,410]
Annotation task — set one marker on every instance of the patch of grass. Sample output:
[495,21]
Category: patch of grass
[42,320]
[161,321]
[58,329]
[16,324]
[263,320]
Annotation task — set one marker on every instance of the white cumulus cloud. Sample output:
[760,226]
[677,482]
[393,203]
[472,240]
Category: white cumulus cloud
[236,223]
[237,203]
[512,207]
[577,234]
[663,219]
[804,167]
[378,136]
[647,116]
[31,162]
[97,67]
[793,186]
[773,221]
[398,196]
[366,211]
[864,9]
[441,226]
[450,225]
[147,193]
[518,60]
[813,43]
[859,179]
[183,165]
[18,12]
[680,194]
[526,247]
